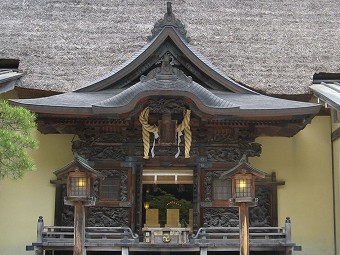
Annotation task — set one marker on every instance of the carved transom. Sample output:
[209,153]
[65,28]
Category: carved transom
[166,105]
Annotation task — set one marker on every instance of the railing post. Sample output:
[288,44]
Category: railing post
[125,251]
[204,236]
[288,229]
[40,229]
[126,235]
[203,251]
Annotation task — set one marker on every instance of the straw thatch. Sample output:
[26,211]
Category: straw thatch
[271,46]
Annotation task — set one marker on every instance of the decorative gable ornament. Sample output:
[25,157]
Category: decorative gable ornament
[169,20]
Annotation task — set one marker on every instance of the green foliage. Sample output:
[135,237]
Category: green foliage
[16,124]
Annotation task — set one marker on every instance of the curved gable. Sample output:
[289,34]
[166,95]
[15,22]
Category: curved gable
[168,37]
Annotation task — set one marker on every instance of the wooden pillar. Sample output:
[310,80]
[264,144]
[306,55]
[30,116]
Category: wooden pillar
[79,229]
[244,229]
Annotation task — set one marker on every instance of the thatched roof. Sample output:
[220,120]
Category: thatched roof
[273,47]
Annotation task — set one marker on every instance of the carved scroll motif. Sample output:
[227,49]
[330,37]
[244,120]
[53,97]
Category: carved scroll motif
[90,151]
[261,216]
[108,217]
[210,175]
[166,105]
[234,152]
[220,217]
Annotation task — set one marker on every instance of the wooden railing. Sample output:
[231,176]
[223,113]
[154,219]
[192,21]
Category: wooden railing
[209,238]
[225,235]
[260,238]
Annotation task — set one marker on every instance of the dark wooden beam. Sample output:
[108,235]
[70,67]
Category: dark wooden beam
[335,134]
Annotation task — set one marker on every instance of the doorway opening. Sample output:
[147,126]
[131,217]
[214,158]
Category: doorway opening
[169,195]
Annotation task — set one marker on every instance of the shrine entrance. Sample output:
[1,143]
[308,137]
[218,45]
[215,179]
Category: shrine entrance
[167,198]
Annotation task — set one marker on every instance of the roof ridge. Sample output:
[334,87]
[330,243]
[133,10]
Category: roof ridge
[169,20]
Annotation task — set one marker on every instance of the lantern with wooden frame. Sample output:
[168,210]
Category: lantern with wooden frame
[79,177]
[78,185]
[243,177]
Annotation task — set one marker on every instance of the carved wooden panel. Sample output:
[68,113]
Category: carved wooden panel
[65,218]
[232,153]
[220,217]
[167,131]
[208,182]
[167,151]
[100,152]
[64,213]
[107,217]
[138,200]
[196,198]
[264,214]
[166,105]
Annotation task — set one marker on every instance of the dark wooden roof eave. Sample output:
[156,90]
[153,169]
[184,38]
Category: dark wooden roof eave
[226,113]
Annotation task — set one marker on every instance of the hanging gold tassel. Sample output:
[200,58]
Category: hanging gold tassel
[185,126]
[146,130]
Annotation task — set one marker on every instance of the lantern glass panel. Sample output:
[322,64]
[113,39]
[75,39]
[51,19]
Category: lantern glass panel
[243,187]
[78,186]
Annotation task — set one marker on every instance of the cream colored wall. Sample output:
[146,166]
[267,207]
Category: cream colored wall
[304,162]
[336,163]
[336,154]
[23,201]
[9,94]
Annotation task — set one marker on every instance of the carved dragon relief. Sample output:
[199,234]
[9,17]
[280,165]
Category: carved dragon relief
[232,152]
[108,217]
[89,150]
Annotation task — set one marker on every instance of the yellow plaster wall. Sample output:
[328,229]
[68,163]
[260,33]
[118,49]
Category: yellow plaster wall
[23,201]
[336,154]
[336,165]
[304,162]
[8,95]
